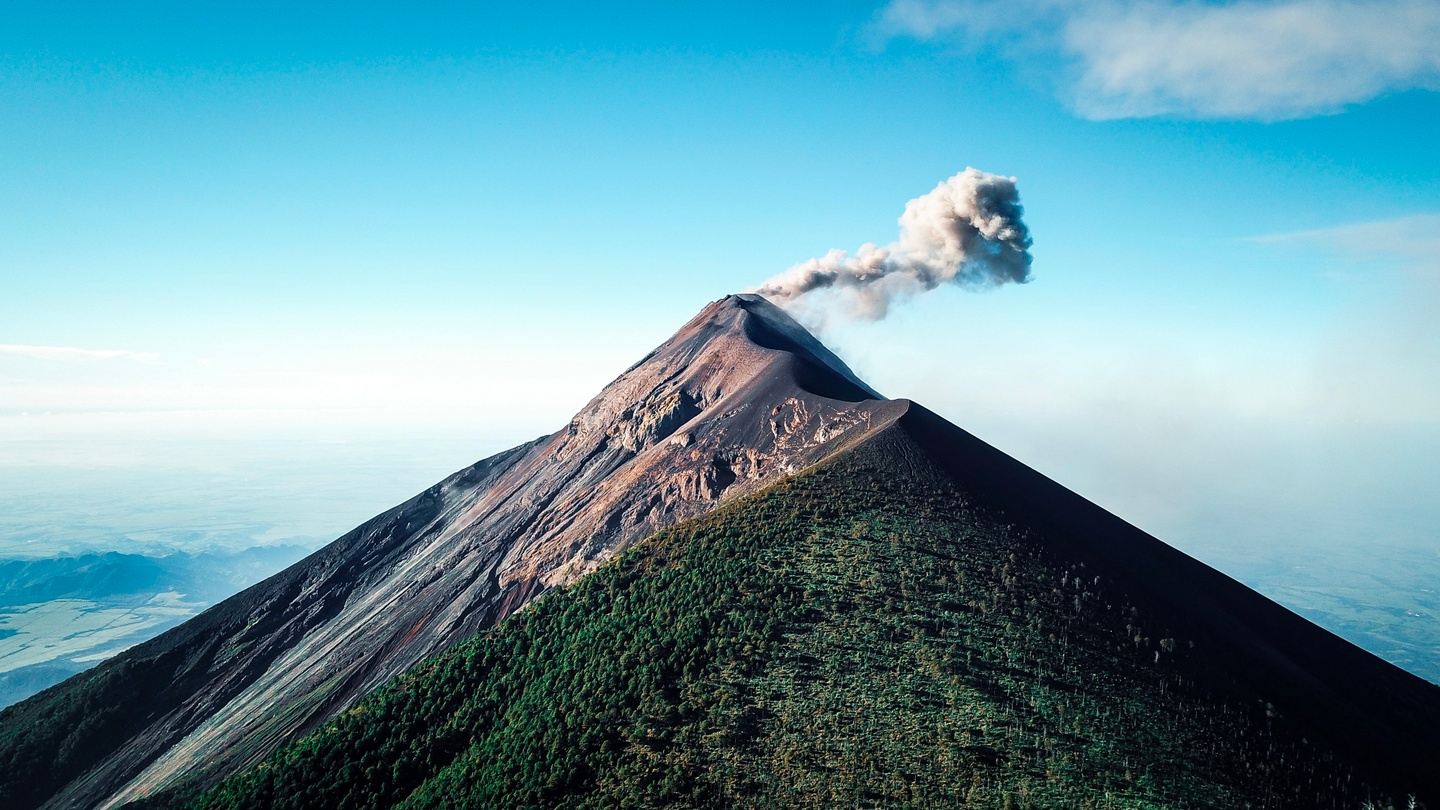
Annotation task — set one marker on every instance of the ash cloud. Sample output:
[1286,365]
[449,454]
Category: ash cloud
[967,231]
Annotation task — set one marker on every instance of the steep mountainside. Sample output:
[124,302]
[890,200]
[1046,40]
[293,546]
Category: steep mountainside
[738,398]
[918,621]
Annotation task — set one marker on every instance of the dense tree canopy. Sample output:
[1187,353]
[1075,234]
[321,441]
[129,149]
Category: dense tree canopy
[859,635]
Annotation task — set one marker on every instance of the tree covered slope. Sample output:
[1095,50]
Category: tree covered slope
[881,630]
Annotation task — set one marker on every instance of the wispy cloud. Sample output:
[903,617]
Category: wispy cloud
[1413,240]
[70,353]
[1139,58]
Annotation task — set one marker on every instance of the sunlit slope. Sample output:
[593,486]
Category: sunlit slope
[739,398]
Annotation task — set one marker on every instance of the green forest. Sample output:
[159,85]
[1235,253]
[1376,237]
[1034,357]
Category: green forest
[860,635]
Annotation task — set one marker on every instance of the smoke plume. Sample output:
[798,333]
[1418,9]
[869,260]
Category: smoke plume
[967,231]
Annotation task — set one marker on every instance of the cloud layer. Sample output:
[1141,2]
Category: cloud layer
[71,353]
[1262,60]
[967,231]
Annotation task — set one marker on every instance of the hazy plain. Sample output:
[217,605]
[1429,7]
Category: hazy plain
[105,543]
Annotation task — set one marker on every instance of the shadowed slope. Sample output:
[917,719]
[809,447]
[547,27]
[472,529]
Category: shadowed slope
[1382,719]
[739,397]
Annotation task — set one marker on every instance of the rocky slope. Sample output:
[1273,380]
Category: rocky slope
[740,397]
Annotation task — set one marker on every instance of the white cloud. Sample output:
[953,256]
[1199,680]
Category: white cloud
[71,353]
[1263,60]
[1412,240]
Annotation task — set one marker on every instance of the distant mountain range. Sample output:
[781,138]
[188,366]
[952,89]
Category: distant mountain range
[843,599]
[61,615]
[206,575]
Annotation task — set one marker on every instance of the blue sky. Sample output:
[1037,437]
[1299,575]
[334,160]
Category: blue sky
[462,221]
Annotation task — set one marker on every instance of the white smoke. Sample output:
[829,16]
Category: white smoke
[967,231]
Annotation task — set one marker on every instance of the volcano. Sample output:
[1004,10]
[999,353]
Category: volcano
[740,439]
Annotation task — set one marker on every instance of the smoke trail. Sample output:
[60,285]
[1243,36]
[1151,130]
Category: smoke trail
[967,231]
